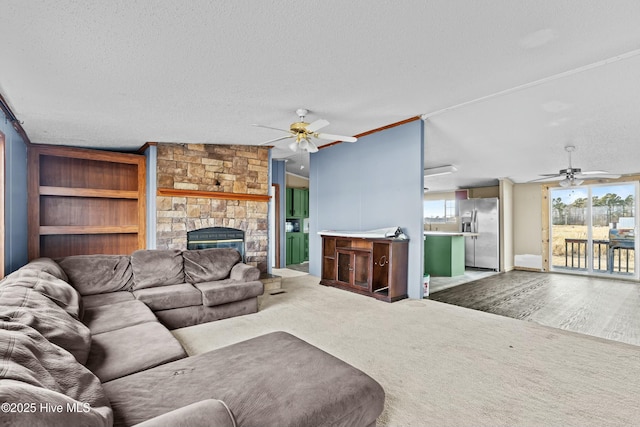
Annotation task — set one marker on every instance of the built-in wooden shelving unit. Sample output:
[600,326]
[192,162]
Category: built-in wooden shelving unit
[85,202]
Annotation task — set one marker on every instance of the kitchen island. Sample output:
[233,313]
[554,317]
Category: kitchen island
[444,253]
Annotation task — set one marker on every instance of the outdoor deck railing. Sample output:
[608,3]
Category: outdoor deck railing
[604,255]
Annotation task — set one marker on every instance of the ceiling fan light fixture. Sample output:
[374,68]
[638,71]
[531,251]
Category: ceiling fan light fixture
[304,133]
[565,182]
[577,181]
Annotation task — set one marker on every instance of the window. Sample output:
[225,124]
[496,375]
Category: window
[593,229]
[439,211]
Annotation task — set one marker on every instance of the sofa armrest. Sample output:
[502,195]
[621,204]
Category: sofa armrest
[208,412]
[244,273]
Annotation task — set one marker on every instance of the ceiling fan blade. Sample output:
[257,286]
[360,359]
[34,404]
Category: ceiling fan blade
[336,137]
[587,175]
[595,173]
[318,124]
[269,127]
[275,140]
[549,177]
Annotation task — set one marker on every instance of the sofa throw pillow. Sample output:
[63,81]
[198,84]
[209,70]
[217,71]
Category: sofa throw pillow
[156,268]
[98,274]
[206,265]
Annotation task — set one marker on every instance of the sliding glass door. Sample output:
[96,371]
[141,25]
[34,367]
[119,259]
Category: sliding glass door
[593,229]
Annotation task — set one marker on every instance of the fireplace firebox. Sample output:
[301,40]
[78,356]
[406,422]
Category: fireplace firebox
[216,237]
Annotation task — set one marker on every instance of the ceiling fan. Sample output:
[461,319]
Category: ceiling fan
[573,176]
[303,133]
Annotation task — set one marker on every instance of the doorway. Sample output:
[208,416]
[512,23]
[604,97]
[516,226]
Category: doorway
[593,229]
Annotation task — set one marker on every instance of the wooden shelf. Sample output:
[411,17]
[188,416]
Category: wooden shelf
[83,202]
[87,192]
[354,248]
[48,230]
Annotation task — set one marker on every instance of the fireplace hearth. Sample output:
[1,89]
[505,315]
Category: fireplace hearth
[216,237]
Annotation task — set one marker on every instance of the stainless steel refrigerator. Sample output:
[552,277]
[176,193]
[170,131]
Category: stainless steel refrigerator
[481,216]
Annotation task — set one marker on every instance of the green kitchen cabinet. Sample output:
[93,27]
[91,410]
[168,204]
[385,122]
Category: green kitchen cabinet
[305,203]
[306,246]
[297,203]
[296,248]
[444,255]
[289,205]
[297,244]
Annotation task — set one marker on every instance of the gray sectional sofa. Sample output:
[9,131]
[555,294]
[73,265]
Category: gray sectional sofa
[182,288]
[85,340]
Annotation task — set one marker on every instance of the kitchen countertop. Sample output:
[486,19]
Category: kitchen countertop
[449,233]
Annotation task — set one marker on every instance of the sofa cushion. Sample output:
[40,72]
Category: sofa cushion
[244,273]
[90,301]
[196,314]
[208,412]
[98,274]
[167,297]
[27,357]
[30,308]
[205,265]
[224,291]
[272,380]
[156,268]
[118,353]
[110,317]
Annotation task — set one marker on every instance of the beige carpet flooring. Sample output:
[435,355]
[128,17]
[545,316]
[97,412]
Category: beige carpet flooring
[443,365]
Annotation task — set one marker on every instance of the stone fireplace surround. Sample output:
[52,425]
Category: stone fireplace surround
[203,185]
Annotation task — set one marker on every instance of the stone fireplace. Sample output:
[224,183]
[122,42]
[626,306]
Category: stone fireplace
[202,186]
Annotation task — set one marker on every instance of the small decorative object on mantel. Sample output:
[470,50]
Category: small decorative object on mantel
[372,263]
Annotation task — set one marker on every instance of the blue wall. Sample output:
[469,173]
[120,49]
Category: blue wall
[374,183]
[151,154]
[278,176]
[15,214]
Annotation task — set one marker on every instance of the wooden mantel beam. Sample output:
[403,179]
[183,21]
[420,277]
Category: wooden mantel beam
[173,192]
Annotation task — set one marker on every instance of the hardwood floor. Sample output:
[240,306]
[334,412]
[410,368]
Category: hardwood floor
[605,308]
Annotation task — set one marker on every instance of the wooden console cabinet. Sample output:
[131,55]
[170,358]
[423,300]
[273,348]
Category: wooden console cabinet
[376,267]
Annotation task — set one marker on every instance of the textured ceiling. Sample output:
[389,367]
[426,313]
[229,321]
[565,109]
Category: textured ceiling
[505,84]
